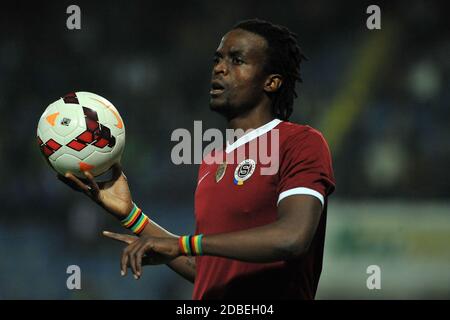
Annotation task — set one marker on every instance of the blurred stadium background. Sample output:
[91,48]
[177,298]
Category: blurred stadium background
[381,98]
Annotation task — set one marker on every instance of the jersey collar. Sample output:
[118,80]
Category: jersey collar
[252,135]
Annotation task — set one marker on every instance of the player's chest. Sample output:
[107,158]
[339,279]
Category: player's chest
[242,187]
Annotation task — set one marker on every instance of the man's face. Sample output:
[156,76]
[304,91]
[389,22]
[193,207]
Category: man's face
[237,83]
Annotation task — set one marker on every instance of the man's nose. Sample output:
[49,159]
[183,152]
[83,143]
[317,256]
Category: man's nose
[220,67]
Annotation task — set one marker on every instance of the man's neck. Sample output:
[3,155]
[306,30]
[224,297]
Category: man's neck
[252,120]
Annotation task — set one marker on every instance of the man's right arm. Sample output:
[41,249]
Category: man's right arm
[115,197]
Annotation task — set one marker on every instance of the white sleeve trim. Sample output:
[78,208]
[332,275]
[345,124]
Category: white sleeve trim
[301,190]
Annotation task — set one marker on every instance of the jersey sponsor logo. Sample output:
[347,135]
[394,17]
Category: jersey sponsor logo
[244,171]
[221,171]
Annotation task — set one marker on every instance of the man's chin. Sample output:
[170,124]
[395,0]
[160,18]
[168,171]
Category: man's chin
[221,108]
[216,105]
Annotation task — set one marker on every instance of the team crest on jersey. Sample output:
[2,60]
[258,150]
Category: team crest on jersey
[244,171]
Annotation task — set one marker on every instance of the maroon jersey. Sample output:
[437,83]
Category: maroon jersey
[239,196]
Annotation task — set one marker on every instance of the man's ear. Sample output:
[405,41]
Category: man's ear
[273,83]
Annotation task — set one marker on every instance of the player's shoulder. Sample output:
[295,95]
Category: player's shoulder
[298,133]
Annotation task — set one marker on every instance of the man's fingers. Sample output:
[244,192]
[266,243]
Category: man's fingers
[77,182]
[120,237]
[139,255]
[124,262]
[94,186]
[132,257]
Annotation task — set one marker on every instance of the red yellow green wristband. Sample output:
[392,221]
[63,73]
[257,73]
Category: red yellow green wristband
[136,220]
[191,245]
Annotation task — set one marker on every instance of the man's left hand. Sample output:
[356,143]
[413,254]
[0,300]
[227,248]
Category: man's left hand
[148,250]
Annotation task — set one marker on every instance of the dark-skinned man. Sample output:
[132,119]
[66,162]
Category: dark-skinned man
[257,236]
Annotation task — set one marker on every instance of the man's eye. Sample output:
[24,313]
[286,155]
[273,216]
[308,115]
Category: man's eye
[237,60]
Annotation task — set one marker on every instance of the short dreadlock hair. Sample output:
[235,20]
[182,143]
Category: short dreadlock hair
[284,57]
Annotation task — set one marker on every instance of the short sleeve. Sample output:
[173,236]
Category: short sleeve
[306,167]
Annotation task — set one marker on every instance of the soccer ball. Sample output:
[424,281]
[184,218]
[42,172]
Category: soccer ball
[81,131]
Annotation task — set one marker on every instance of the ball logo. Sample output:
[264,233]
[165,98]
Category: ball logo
[65,122]
[244,171]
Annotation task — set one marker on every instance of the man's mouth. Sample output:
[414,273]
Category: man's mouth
[216,88]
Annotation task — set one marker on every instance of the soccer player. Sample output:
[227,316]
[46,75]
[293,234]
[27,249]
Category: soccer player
[257,236]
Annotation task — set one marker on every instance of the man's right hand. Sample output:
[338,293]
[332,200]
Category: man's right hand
[113,195]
